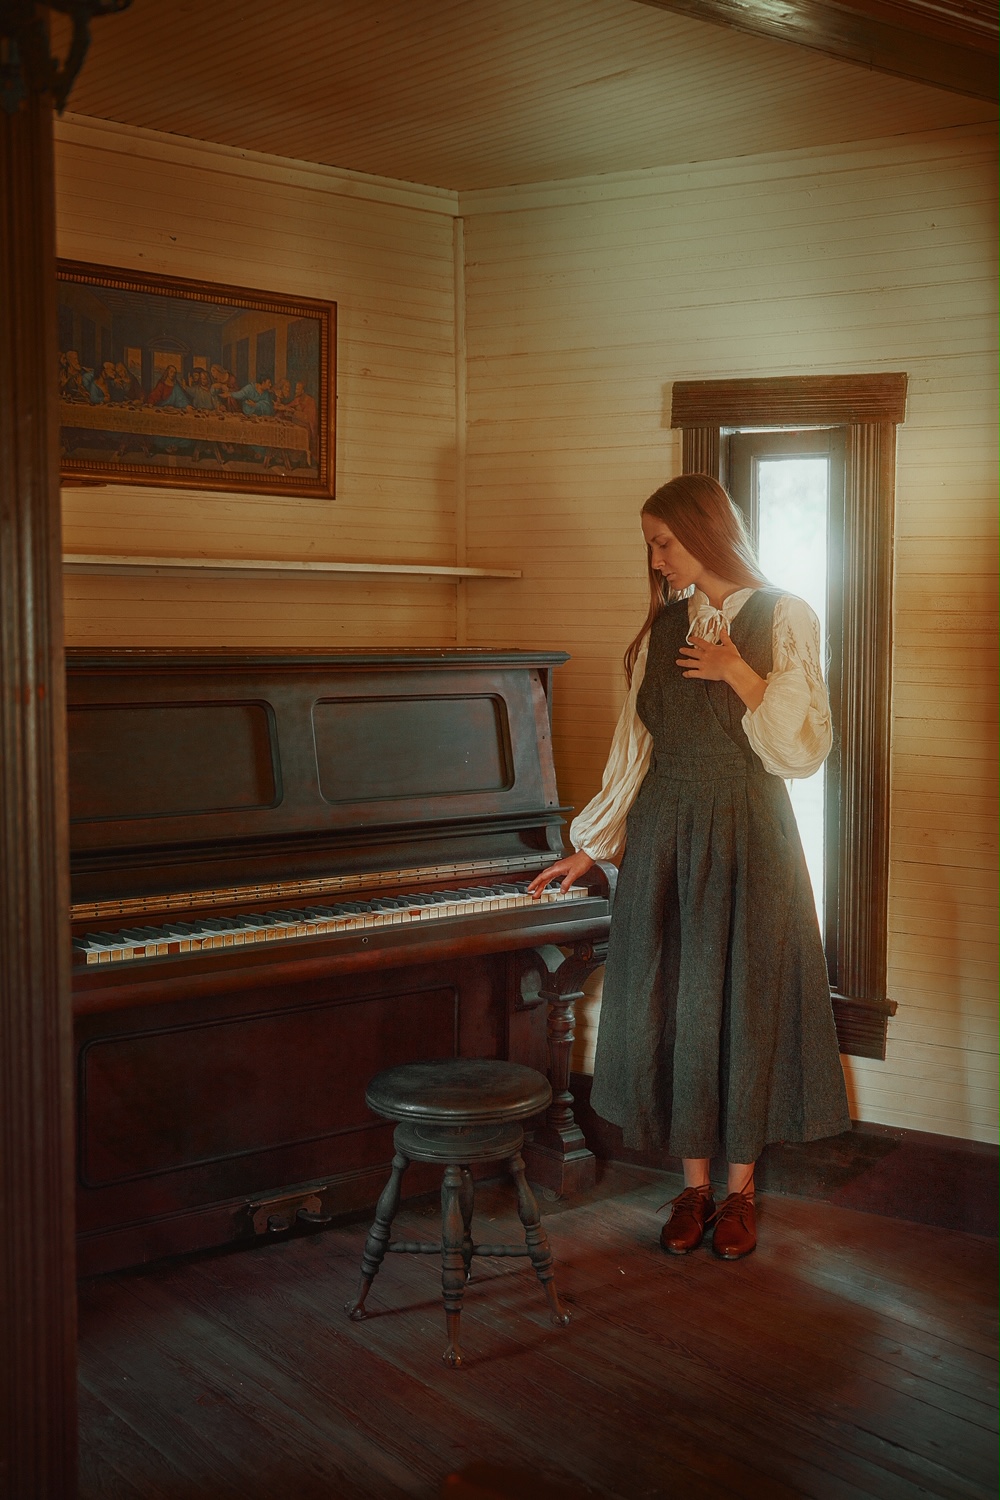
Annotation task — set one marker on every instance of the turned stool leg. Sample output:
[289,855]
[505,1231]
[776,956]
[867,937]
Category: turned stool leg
[536,1240]
[453,1262]
[467,1203]
[378,1235]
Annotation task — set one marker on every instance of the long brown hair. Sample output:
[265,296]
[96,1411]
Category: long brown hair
[707,524]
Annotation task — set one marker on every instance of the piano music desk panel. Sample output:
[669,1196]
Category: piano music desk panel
[290,872]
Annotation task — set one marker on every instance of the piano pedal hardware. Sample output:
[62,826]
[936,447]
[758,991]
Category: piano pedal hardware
[278,1215]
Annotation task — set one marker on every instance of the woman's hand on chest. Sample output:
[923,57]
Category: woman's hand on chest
[721,662]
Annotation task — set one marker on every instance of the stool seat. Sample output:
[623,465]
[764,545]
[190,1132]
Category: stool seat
[459,1091]
[458,1112]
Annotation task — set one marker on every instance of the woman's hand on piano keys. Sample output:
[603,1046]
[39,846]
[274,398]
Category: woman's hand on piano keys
[567,871]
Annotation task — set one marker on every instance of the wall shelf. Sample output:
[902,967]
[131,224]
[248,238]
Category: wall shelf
[220,567]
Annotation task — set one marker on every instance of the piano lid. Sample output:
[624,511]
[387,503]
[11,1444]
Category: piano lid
[187,767]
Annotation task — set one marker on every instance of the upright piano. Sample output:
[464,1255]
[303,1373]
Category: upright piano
[288,872]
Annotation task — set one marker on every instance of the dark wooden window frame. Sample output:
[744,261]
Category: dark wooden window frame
[868,408]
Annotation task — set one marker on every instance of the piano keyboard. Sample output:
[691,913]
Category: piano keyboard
[245,928]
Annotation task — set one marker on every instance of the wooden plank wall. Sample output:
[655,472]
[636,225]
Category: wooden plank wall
[584,301]
[384,253]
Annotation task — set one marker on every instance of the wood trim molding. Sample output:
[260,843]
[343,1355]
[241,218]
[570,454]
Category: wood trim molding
[788,401]
[257,567]
[861,1025]
[864,714]
[929,44]
[700,451]
[140,141]
[868,406]
[37,1270]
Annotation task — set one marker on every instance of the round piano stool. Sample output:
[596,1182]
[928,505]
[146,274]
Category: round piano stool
[458,1112]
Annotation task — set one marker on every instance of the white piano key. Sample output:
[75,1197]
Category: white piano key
[247,928]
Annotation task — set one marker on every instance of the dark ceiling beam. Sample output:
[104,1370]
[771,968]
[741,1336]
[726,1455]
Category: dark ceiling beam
[907,41]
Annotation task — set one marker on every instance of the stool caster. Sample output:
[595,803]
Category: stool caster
[560,1317]
[453,1355]
[356,1310]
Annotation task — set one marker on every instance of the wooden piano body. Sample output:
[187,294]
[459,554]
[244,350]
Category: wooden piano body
[220,1081]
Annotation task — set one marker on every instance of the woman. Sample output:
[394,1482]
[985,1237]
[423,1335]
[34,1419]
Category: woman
[716,1029]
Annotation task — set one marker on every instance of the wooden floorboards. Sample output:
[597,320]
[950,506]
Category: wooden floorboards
[852,1355]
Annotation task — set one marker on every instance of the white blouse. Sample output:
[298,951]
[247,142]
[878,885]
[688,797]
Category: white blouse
[791,730]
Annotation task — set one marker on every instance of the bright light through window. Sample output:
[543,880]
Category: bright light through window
[792,499]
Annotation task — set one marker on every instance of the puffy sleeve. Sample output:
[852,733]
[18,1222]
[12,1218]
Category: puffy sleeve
[791,730]
[599,830]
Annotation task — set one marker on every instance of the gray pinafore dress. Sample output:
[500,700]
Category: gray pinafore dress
[716,1030]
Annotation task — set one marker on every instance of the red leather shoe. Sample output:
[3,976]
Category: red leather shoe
[685,1229]
[735,1233]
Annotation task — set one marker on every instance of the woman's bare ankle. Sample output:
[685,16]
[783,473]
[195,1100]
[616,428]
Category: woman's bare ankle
[739,1179]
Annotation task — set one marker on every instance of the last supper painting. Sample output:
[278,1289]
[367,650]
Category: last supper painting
[167,381]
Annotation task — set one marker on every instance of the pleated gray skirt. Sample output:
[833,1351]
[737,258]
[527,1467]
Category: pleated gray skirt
[716,1030]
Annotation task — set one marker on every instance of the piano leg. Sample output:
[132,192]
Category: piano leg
[558,1156]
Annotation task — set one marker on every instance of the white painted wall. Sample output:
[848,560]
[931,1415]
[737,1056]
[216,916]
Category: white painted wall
[383,252]
[584,302]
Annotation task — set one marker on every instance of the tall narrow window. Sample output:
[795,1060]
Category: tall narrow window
[724,423]
[791,488]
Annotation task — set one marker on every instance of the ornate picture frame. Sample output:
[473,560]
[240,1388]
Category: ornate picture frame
[194,384]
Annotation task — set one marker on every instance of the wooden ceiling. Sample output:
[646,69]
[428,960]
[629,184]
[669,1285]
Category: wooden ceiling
[467,94]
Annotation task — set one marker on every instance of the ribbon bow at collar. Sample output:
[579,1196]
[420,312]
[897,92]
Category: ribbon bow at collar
[707,623]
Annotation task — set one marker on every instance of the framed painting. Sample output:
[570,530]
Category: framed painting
[192,384]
